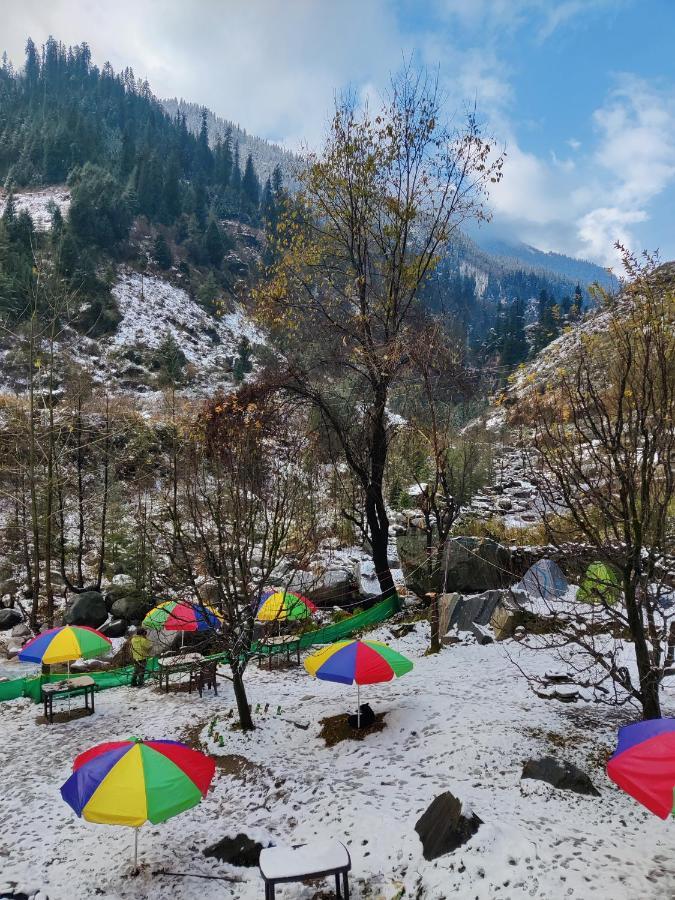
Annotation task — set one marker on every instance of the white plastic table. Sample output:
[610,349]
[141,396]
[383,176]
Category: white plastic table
[169,664]
[319,860]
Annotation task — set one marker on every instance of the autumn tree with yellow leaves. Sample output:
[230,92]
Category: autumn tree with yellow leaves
[375,210]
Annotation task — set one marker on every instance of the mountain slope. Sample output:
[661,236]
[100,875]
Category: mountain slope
[579,271]
[266,155]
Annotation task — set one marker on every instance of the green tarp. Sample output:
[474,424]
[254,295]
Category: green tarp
[31,687]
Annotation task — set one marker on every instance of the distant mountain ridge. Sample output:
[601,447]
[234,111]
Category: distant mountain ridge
[580,271]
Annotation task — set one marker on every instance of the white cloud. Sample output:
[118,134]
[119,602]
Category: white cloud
[273,67]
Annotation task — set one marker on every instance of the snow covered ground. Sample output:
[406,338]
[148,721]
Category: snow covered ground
[38,203]
[152,306]
[462,721]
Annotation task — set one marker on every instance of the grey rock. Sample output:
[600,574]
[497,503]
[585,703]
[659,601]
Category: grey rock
[21,631]
[9,618]
[560,774]
[87,608]
[132,608]
[504,503]
[116,628]
[443,827]
[8,587]
[332,587]
[475,564]
[474,610]
[481,634]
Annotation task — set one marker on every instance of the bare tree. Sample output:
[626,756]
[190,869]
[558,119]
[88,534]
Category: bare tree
[242,506]
[603,447]
[374,212]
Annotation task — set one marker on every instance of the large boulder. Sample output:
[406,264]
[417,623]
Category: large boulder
[9,618]
[472,614]
[133,608]
[476,564]
[87,608]
[236,851]
[560,774]
[506,617]
[445,826]
[115,628]
[333,586]
[8,588]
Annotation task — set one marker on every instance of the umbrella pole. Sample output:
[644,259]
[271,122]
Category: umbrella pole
[68,680]
[358,705]
[136,850]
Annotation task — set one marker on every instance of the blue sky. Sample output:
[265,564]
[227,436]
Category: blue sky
[580,92]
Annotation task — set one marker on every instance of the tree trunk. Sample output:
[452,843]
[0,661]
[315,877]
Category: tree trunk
[649,678]
[435,642]
[243,708]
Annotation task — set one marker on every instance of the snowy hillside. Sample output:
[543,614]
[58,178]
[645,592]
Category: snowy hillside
[39,203]
[265,154]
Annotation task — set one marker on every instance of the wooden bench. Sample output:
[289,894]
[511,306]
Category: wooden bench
[279,865]
[75,687]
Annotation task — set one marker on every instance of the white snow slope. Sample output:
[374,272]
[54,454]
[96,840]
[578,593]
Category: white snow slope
[462,721]
[38,203]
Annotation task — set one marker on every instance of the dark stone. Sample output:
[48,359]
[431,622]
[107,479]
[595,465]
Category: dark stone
[475,564]
[237,851]
[132,608]
[87,608]
[117,628]
[367,717]
[9,618]
[443,828]
[560,774]
[9,587]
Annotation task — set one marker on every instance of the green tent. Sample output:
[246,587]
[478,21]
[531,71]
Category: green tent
[600,584]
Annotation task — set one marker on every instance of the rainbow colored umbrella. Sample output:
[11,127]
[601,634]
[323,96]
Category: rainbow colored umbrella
[179,615]
[279,605]
[64,644]
[363,662]
[135,781]
[643,764]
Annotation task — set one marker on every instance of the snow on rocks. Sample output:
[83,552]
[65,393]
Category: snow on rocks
[39,203]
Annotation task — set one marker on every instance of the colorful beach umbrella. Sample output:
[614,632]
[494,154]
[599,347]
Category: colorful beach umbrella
[64,644]
[135,781]
[360,662]
[180,615]
[279,606]
[643,764]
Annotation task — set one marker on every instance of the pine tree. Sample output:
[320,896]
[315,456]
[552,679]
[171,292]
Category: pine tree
[213,244]
[162,252]
[577,303]
[32,67]
[548,320]
[514,342]
[235,178]
[242,364]
[250,186]
[277,180]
